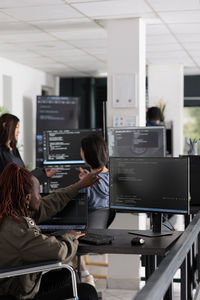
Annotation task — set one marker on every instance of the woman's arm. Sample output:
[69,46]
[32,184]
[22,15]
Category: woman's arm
[55,202]
[35,246]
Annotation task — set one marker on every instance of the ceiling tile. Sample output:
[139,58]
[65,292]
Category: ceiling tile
[76,59]
[29,37]
[6,18]
[192,46]
[168,54]
[170,5]
[59,25]
[81,34]
[181,17]
[83,1]
[46,45]
[113,8]
[163,47]
[188,37]
[182,28]
[186,61]
[35,13]
[96,51]
[156,29]
[16,27]
[36,60]
[161,39]
[21,3]
[100,43]
[17,54]
[195,54]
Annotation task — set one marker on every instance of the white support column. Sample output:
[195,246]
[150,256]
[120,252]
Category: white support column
[126,61]
[126,56]
[165,83]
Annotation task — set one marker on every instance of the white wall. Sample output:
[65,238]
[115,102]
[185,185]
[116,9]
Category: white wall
[166,82]
[26,83]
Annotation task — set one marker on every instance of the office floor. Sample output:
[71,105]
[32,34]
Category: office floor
[116,294]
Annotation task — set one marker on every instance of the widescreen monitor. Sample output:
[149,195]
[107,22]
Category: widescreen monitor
[155,185]
[54,112]
[66,175]
[137,141]
[63,146]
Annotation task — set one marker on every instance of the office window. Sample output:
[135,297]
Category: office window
[191,125]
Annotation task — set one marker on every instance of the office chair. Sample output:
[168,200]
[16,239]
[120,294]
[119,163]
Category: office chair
[38,267]
[99,219]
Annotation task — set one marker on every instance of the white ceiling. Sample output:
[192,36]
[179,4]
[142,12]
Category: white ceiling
[67,38]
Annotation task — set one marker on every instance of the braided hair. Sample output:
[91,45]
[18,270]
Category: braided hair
[15,184]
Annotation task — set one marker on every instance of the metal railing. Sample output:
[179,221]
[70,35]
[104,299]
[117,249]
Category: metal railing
[178,257]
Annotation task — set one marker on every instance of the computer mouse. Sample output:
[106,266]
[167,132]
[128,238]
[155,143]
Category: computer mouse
[137,241]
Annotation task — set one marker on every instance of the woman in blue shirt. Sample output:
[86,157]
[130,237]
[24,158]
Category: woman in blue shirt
[94,152]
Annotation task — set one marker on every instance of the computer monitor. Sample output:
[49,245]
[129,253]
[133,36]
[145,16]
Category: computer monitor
[54,112]
[155,185]
[63,146]
[73,216]
[66,175]
[137,142]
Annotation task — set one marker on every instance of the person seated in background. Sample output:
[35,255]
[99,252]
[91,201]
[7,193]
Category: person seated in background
[153,116]
[22,242]
[9,132]
[94,152]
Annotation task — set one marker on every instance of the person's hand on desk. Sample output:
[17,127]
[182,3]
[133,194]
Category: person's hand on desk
[50,172]
[76,234]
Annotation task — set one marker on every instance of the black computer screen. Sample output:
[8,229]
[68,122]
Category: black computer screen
[63,146]
[149,184]
[137,142]
[66,175]
[54,112]
[73,216]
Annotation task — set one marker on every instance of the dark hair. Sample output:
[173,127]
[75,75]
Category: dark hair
[15,183]
[8,125]
[95,151]
[153,113]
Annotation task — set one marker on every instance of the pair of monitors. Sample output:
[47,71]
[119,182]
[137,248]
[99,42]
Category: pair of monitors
[61,149]
[156,185]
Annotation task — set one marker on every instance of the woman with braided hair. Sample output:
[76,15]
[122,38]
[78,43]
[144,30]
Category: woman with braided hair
[22,242]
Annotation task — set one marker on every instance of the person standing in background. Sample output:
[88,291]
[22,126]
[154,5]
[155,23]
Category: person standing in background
[153,116]
[9,132]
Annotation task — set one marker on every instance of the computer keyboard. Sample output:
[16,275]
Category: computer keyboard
[96,239]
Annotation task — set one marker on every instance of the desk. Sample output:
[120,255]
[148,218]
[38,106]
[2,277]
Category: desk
[122,243]
[152,248]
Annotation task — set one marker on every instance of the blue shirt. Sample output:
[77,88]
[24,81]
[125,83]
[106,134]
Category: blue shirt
[98,194]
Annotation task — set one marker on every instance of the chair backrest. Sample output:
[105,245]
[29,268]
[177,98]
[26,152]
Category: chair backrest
[101,218]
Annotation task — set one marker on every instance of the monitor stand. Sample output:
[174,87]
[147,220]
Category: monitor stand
[156,228]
